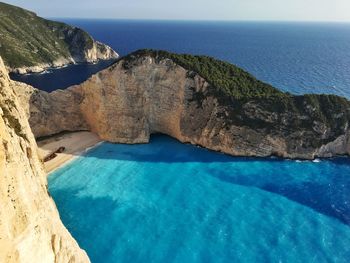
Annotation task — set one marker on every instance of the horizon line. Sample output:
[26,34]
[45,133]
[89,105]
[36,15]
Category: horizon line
[204,20]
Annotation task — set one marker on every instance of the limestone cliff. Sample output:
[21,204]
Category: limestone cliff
[51,113]
[29,43]
[30,227]
[157,92]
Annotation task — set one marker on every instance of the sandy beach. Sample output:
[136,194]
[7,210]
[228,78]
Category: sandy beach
[75,143]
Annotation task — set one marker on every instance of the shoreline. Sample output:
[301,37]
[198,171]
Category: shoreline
[75,144]
[71,159]
[45,68]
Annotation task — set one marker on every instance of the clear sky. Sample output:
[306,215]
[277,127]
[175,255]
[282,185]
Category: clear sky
[292,10]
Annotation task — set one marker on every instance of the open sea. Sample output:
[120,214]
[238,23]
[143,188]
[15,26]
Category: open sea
[167,202]
[295,57]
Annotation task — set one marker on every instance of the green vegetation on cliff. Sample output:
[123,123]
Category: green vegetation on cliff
[28,40]
[227,77]
[231,79]
[240,90]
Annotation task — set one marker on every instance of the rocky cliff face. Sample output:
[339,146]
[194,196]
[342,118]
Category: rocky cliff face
[30,227]
[145,94]
[29,43]
[51,113]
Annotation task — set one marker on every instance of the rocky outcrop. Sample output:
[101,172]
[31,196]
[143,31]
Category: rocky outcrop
[145,94]
[51,113]
[29,43]
[30,227]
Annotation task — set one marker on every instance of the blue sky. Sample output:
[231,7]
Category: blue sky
[292,10]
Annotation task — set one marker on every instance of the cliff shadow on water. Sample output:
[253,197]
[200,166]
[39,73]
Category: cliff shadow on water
[62,78]
[286,178]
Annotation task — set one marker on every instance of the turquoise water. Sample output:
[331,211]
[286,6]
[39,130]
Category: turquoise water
[170,202]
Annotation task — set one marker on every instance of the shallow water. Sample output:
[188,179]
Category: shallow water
[170,202]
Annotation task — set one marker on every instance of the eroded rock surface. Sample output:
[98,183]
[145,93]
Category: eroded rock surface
[146,94]
[30,227]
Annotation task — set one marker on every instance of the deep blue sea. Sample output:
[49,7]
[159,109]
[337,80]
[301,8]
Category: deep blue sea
[171,202]
[295,57]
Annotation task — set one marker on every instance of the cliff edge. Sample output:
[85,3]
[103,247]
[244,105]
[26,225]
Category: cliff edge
[195,99]
[30,227]
[29,43]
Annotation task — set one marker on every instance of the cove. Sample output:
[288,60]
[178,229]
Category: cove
[61,78]
[172,202]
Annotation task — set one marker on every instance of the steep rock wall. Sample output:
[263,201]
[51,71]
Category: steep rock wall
[133,99]
[50,113]
[30,227]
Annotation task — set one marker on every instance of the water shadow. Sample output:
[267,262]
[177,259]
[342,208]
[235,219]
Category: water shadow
[329,197]
[61,78]
[85,223]
[165,149]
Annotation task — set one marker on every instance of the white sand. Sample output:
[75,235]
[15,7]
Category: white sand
[75,144]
